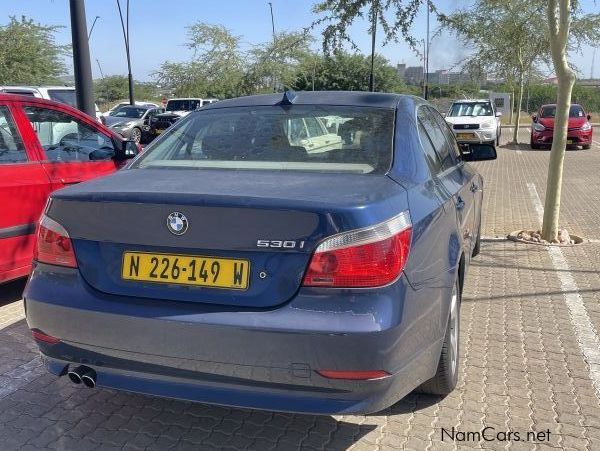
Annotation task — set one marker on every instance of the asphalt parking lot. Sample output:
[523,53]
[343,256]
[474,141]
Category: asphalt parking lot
[530,360]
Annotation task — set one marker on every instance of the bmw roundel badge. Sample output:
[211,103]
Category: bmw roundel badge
[177,223]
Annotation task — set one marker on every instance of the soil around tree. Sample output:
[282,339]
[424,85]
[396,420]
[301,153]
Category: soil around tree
[530,236]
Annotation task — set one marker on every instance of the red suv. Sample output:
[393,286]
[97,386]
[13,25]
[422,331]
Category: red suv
[580,129]
[44,146]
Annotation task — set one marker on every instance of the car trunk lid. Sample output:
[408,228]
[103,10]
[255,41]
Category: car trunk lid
[269,220]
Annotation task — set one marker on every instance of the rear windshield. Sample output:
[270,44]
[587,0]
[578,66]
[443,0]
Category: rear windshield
[130,111]
[67,96]
[298,138]
[574,111]
[471,109]
[183,105]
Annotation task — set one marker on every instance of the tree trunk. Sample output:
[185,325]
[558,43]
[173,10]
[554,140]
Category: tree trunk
[559,34]
[518,103]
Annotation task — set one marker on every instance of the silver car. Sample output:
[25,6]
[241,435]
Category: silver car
[133,122]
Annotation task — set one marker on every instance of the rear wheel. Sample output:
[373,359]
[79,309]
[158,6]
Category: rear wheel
[586,146]
[534,146]
[446,376]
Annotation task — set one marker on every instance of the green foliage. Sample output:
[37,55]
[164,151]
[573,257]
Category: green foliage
[348,72]
[339,15]
[588,97]
[29,54]
[116,87]
[216,68]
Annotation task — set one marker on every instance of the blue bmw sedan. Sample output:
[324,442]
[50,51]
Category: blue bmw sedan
[302,252]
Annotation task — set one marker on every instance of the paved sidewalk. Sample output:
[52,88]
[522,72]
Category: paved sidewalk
[529,324]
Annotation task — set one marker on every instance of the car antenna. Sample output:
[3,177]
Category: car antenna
[289,97]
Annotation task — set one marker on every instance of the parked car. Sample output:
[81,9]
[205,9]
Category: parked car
[580,130]
[475,121]
[175,109]
[122,104]
[137,127]
[228,264]
[125,114]
[62,94]
[44,146]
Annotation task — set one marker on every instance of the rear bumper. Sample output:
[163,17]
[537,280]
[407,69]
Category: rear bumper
[264,359]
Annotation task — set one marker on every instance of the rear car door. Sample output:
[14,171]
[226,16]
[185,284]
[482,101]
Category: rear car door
[74,148]
[456,188]
[24,188]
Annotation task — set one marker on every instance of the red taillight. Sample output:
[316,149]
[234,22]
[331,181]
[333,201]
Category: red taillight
[364,258]
[53,245]
[354,375]
[38,335]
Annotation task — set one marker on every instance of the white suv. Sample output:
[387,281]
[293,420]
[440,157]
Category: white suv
[475,121]
[62,94]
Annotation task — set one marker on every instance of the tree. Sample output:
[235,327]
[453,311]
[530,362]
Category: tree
[341,14]
[29,53]
[559,23]
[510,39]
[276,62]
[348,72]
[116,87]
[506,38]
[216,68]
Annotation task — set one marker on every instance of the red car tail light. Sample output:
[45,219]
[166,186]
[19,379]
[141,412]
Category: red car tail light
[363,258]
[53,244]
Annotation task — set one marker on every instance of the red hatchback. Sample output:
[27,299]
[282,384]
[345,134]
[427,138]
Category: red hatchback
[580,129]
[44,146]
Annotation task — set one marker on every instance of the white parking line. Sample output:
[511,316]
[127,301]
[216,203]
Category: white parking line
[587,338]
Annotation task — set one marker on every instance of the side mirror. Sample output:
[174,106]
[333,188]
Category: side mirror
[480,152]
[498,114]
[128,150]
[534,118]
[589,117]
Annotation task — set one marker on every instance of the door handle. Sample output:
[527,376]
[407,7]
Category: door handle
[460,204]
[474,187]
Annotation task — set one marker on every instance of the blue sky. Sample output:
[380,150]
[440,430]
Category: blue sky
[157,30]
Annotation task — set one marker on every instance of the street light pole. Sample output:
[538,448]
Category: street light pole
[274,42]
[126,39]
[82,67]
[373,36]
[427,55]
[92,27]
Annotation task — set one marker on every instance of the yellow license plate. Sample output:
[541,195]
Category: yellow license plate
[159,131]
[569,141]
[464,136]
[186,270]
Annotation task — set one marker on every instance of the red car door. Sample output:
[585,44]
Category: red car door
[24,188]
[75,148]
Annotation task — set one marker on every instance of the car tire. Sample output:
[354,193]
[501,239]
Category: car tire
[534,146]
[498,137]
[446,377]
[136,135]
[586,146]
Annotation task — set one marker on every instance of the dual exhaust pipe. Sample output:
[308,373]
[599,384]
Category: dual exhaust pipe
[83,374]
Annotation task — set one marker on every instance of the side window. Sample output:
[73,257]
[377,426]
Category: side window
[11,146]
[314,128]
[437,136]
[435,165]
[65,138]
[455,151]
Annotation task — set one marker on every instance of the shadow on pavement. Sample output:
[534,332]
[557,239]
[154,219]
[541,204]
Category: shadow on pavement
[12,291]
